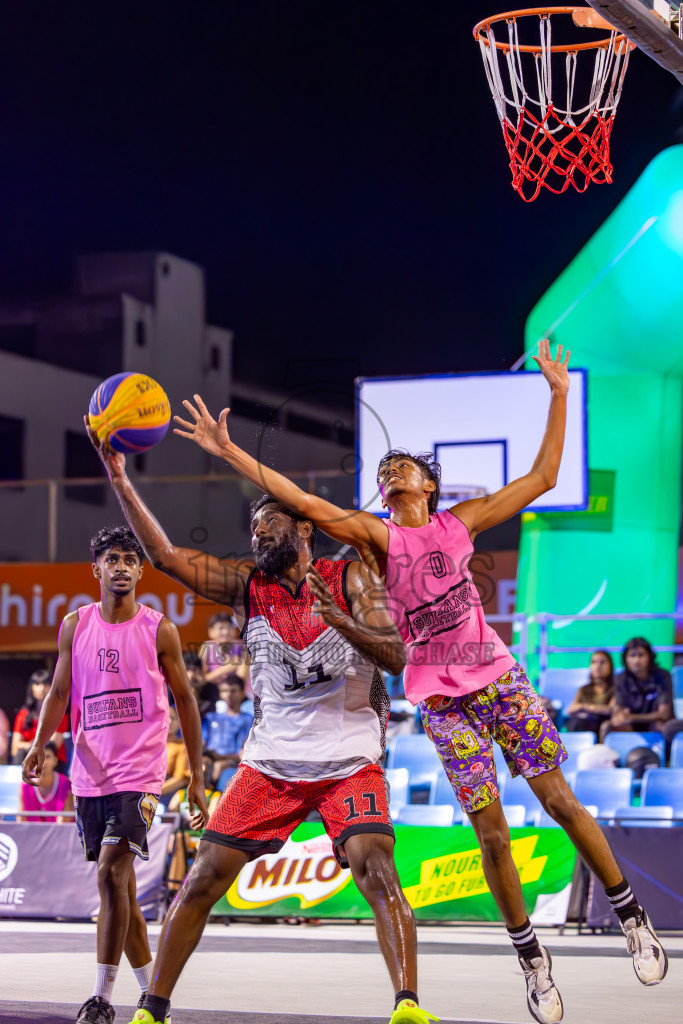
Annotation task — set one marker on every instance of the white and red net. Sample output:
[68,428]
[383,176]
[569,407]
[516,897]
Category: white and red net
[556,116]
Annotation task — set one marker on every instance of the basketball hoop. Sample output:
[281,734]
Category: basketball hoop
[551,145]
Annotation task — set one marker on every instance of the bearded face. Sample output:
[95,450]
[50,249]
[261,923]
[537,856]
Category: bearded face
[276,542]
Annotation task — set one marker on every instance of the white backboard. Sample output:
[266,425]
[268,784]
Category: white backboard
[485,429]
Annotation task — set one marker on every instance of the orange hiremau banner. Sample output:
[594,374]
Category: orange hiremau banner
[35,597]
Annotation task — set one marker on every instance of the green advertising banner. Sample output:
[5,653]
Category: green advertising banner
[440,871]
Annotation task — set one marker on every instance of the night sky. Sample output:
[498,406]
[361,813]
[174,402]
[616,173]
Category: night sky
[337,167]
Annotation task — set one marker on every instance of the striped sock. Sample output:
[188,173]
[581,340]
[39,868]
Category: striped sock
[623,902]
[404,994]
[104,983]
[524,940]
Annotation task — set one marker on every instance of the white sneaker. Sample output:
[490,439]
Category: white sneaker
[650,961]
[543,999]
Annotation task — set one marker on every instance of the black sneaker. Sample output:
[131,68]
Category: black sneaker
[543,999]
[96,1011]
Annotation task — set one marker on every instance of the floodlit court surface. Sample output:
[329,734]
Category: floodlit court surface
[334,974]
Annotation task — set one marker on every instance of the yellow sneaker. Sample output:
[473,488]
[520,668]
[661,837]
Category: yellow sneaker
[148,1018]
[145,1017]
[408,1012]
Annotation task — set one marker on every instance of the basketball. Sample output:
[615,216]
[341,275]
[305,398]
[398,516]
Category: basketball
[129,411]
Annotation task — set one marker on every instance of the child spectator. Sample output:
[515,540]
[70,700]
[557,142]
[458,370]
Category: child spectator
[226,729]
[205,693]
[591,706]
[53,792]
[178,768]
[26,720]
[225,654]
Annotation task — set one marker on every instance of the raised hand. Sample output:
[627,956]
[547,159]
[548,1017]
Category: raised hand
[210,434]
[113,462]
[555,371]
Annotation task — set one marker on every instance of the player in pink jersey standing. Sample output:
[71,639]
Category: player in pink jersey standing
[470,688]
[116,659]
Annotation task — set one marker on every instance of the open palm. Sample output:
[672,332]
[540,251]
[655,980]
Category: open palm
[210,434]
[555,371]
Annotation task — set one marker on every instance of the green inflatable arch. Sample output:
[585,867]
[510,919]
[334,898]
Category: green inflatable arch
[619,307]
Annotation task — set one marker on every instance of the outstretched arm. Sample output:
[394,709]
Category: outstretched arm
[370,627]
[360,529]
[480,513]
[220,580]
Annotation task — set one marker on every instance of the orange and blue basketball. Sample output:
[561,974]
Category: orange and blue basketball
[129,411]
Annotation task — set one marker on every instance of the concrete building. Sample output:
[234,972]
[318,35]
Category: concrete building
[142,312]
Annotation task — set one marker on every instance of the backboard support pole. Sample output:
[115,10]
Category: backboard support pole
[650,34]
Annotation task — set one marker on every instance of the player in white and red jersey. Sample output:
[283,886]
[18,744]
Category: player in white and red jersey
[470,689]
[116,660]
[315,631]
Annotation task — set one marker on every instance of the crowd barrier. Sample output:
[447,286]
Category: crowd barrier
[43,872]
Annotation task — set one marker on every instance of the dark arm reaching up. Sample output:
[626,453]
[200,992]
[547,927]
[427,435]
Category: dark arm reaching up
[217,579]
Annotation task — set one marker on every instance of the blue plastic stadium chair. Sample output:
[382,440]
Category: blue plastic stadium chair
[398,786]
[10,781]
[607,788]
[426,814]
[657,816]
[625,742]
[417,754]
[576,741]
[663,787]
[677,751]
[677,680]
[442,791]
[515,815]
[518,791]
[561,684]
[224,778]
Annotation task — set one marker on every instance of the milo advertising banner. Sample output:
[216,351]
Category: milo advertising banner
[440,871]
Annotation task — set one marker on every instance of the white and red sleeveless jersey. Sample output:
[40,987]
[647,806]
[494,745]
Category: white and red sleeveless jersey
[320,707]
[119,705]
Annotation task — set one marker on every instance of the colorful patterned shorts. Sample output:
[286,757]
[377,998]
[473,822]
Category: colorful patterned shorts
[463,729]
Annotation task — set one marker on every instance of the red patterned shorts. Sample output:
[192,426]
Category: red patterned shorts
[257,813]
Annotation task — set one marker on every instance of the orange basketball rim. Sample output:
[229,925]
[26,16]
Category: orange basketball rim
[556,110]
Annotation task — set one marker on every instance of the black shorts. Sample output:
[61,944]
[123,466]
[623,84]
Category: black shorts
[106,820]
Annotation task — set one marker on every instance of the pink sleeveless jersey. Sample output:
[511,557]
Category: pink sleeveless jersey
[33,800]
[119,705]
[434,602]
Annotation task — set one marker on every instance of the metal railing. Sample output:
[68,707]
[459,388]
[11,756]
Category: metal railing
[546,619]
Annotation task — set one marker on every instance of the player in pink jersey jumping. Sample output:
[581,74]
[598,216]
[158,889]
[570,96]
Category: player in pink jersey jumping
[470,689]
[116,659]
[316,630]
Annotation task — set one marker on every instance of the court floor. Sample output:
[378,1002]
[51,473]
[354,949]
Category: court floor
[334,974]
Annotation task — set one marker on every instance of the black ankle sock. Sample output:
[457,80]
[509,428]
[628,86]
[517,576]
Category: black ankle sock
[157,1006]
[406,994]
[524,940]
[623,902]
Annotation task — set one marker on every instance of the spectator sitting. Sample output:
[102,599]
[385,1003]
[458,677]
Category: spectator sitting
[591,706]
[26,721]
[53,792]
[225,654]
[227,728]
[178,770]
[643,698]
[205,693]
[4,737]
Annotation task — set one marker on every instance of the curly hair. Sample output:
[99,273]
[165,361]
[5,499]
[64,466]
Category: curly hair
[431,470]
[121,537]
